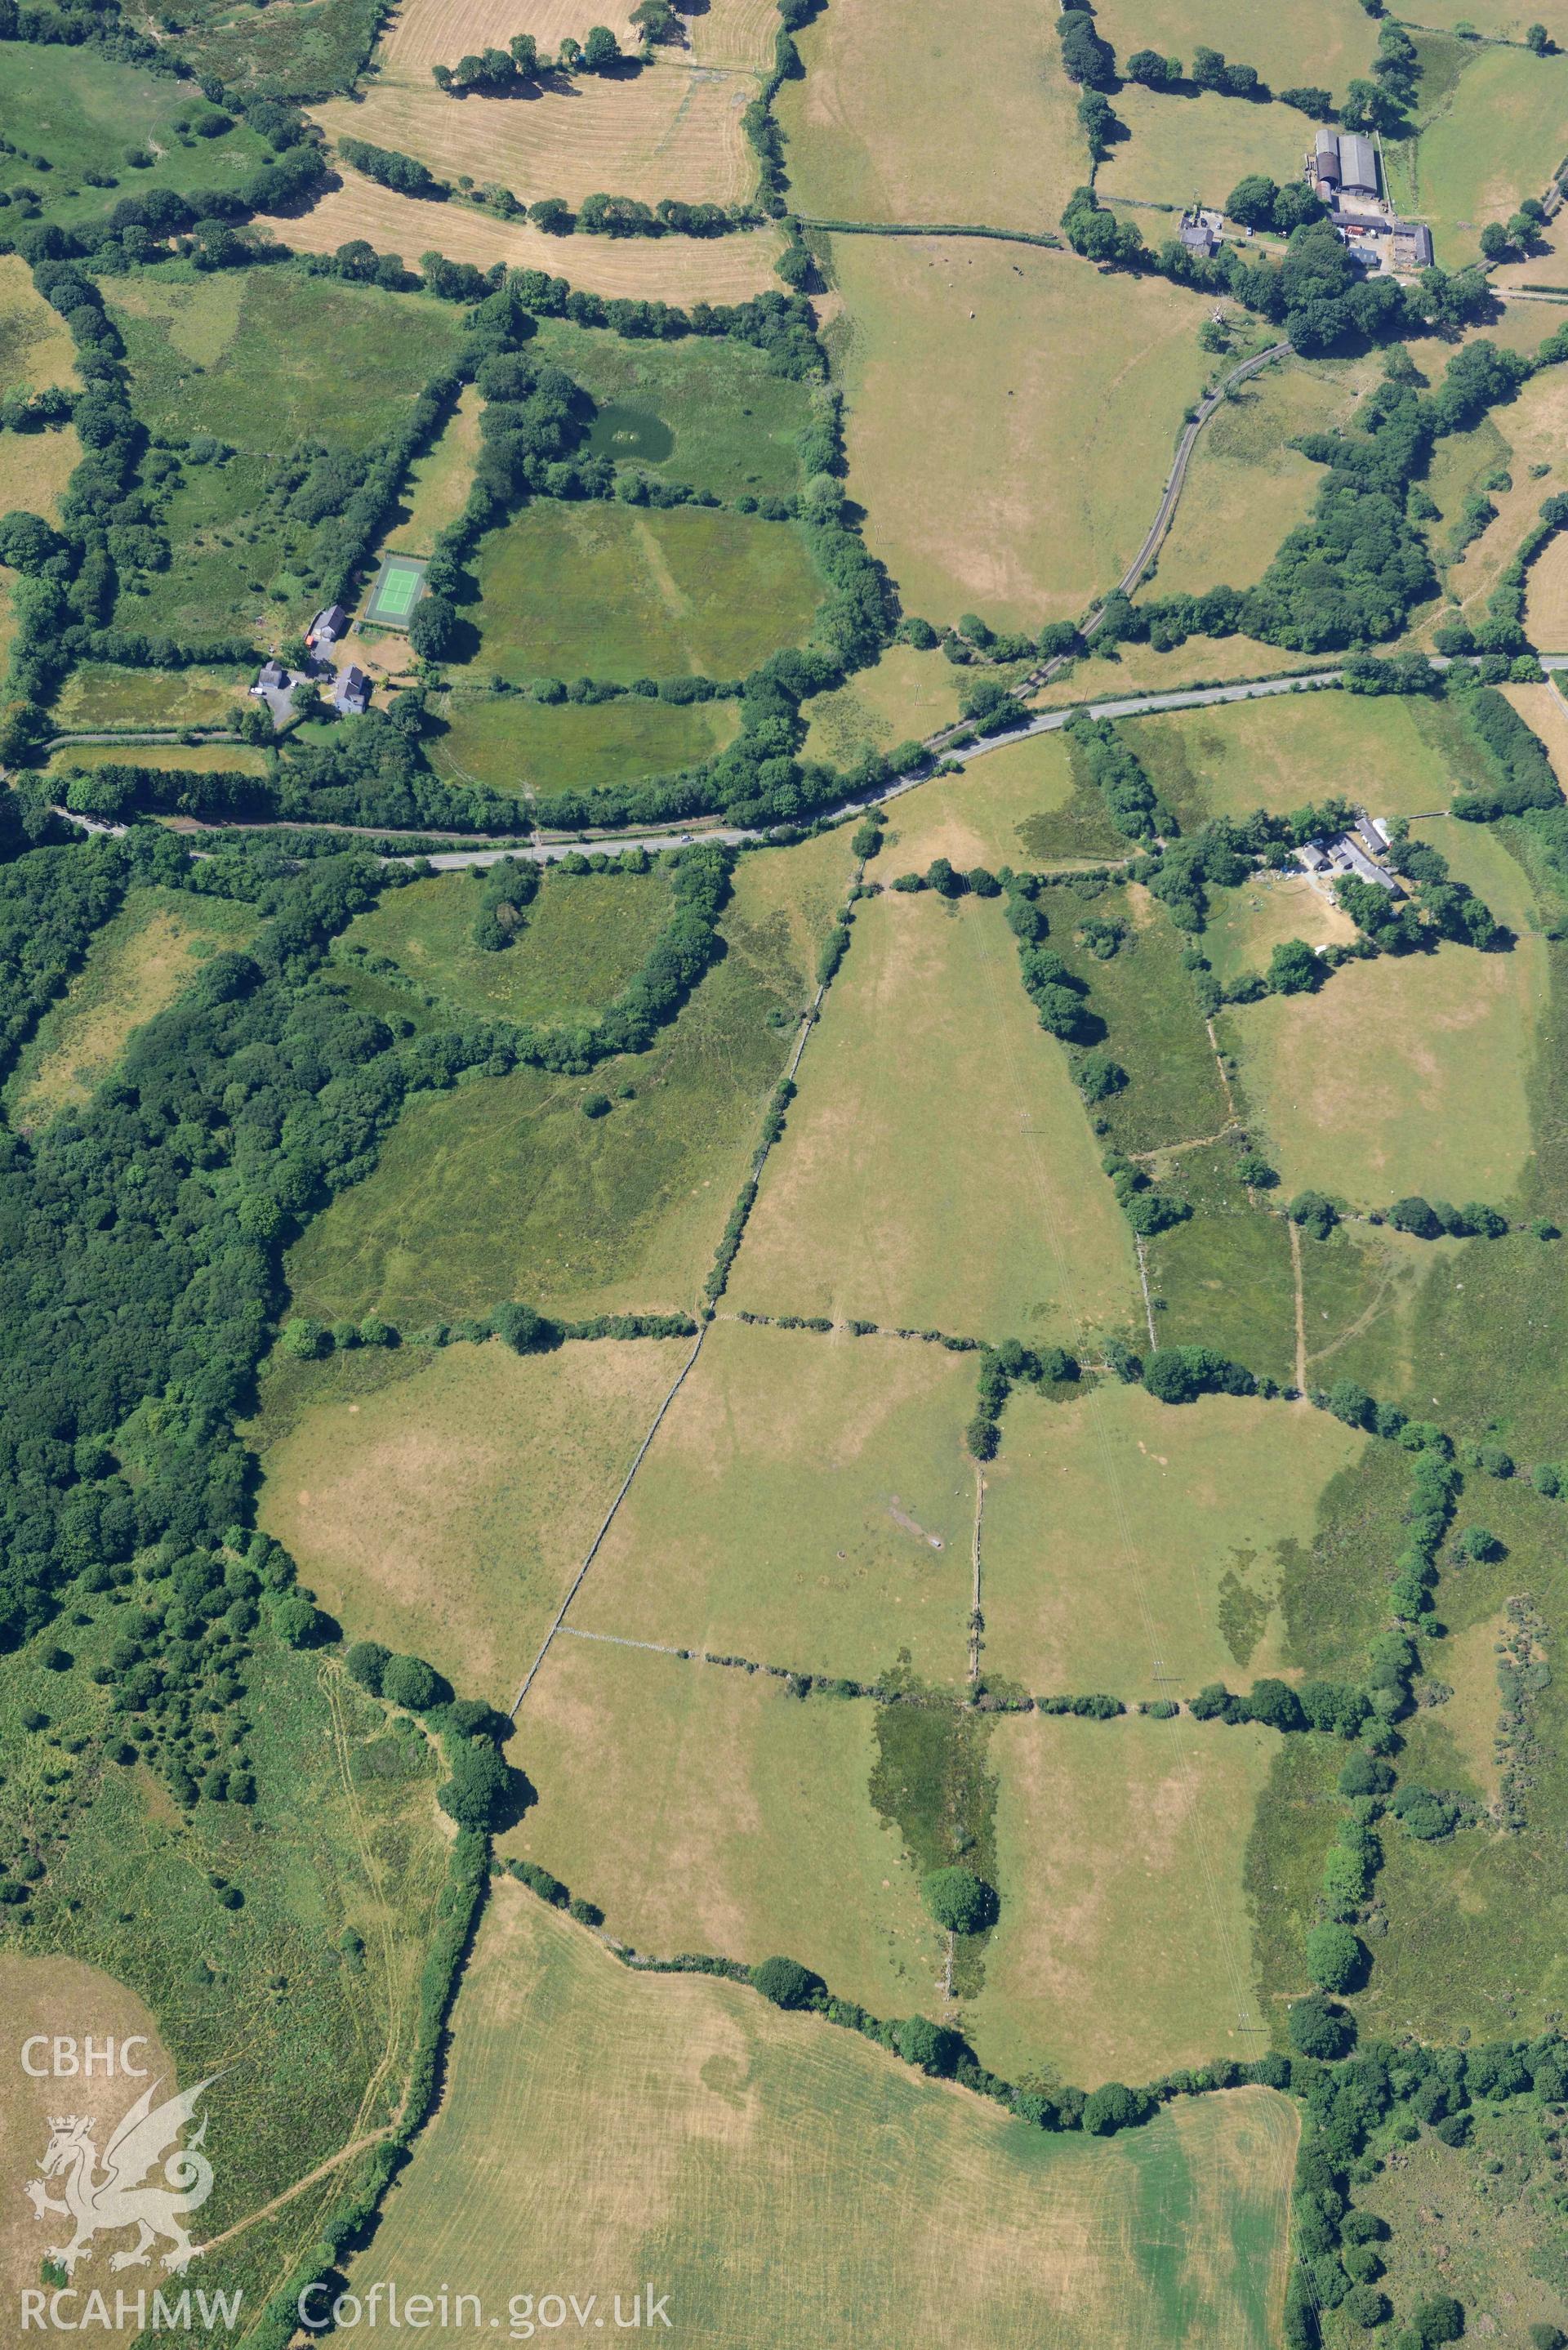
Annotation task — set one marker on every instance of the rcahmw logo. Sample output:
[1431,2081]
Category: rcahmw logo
[101,2194]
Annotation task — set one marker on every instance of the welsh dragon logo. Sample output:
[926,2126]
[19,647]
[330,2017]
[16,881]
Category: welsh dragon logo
[114,2197]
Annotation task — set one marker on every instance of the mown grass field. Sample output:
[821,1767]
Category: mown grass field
[1495,136]
[135,967]
[1135,1548]
[930,113]
[40,1992]
[733,424]
[36,347]
[905,695]
[516,745]
[938,1168]
[612,591]
[663,269]
[1124,1947]
[504,1189]
[773,2147]
[582,939]
[664,130]
[1010,461]
[1281,752]
[436,490]
[34,468]
[268,358]
[86,113]
[1177,146]
[806,1502]
[1327,44]
[706,1809]
[189,758]
[437,32]
[443,1502]
[97,695]
[1406,1073]
[1245,489]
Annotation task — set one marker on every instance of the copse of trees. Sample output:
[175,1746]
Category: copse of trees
[392,169]
[1086,57]
[1258,202]
[960,1902]
[1182,1374]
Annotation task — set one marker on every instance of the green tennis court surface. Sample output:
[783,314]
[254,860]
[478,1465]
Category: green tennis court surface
[395,591]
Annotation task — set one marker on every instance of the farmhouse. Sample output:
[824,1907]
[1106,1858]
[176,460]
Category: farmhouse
[1201,230]
[353,695]
[272,678]
[1350,858]
[328,626]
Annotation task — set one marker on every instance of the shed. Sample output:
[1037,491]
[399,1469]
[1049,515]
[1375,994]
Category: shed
[1369,833]
[1412,245]
[1325,159]
[1357,165]
[1312,858]
[1361,865]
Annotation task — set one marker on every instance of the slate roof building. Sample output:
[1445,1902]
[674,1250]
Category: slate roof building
[328,626]
[353,694]
[1357,165]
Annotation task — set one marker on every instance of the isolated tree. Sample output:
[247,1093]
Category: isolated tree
[1294,969]
[601,50]
[1537,38]
[432,627]
[926,2045]
[410,1681]
[1253,200]
[1153,71]
[476,1794]
[1494,244]
[959,1900]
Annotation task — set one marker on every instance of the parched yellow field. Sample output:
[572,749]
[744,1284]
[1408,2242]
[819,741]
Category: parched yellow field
[35,346]
[136,966]
[447,1512]
[34,468]
[1124,1947]
[1542,707]
[190,758]
[671,130]
[1245,489]
[1127,1540]
[905,695]
[425,33]
[1410,1073]
[932,112]
[786,2182]
[707,1809]
[938,1169]
[1280,752]
[1010,419]
[55,1995]
[1178,148]
[662,269]
[1138,669]
[97,695]
[1326,43]
[806,1502]
[980,818]
[1546,598]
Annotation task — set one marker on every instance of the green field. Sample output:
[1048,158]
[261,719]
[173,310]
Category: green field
[1246,924]
[904,694]
[724,422]
[706,1809]
[1222,1278]
[1010,418]
[789,2173]
[186,758]
[1124,1947]
[504,1189]
[1408,757]
[1327,43]
[1179,147]
[443,1502]
[806,1502]
[36,347]
[613,591]
[582,939]
[1245,488]
[268,358]
[1137,1548]
[938,1168]
[1490,132]
[86,114]
[1022,806]
[135,967]
[96,695]
[514,744]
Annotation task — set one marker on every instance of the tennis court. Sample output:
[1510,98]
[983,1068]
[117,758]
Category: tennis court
[399,586]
